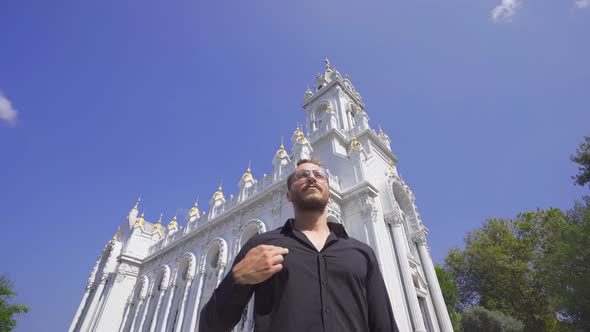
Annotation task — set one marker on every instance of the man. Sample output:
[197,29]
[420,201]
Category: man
[308,275]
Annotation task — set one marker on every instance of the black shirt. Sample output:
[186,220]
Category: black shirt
[339,288]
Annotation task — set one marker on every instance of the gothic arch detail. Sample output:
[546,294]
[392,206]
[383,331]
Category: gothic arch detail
[217,245]
[404,200]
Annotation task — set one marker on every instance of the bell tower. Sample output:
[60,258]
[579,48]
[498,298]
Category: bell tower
[334,105]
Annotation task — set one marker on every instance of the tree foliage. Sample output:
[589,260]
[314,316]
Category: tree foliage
[479,319]
[450,292]
[582,158]
[8,310]
[535,267]
[497,269]
[564,267]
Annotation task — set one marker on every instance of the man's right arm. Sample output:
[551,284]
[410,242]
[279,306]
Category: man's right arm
[253,265]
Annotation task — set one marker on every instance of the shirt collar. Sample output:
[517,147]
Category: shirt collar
[335,228]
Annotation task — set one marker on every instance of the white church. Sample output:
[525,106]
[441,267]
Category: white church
[156,278]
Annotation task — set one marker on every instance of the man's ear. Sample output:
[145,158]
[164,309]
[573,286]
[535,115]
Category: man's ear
[289,195]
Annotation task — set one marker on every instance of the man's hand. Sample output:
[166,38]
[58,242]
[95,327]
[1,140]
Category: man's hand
[259,264]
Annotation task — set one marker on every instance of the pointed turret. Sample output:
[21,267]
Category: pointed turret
[301,148]
[308,94]
[248,175]
[158,228]
[357,155]
[173,224]
[132,216]
[280,162]
[361,120]
[194,212]
[328,76]
[216,202]
[218,194]
[117,233]
[140,222]
[384,138]
[246,184]
[296,135]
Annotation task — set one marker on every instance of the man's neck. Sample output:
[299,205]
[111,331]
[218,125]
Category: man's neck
[312,221]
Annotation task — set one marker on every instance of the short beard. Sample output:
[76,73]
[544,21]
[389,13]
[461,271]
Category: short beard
[316,205]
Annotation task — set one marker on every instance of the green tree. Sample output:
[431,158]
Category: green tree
[582,158]
[497,268]
[564,267]
[8,310]
[450,292]
[479,319]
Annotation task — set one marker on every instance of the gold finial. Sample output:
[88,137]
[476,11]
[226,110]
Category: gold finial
[301,137]
[248,174]
[356,144]
[329,109]
[116,234]
[219,193]
[140,221]
[281,152]
[328,68]
[359,108]
[391,167]
[158,226]
[173,223]
[195,208]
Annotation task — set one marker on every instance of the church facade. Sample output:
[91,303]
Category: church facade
[156,278]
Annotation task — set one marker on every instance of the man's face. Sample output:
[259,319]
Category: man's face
[309,189]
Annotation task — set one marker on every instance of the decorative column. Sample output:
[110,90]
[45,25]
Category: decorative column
[141,299]
[126,314]
[195,314]
[157,311]
[402,256]
[168,304]
[435,292]
[187,288]
[81,306]
[95,298]
[220,273]
[250,316]
[145,311]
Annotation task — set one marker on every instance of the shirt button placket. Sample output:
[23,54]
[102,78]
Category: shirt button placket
[323,284]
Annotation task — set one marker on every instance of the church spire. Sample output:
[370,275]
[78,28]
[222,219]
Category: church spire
[136,206]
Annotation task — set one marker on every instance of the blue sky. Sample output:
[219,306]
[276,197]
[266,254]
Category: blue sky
[484,101]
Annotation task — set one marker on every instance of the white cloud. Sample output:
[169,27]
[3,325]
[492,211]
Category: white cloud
[7,112]
[582,4]
[507,8]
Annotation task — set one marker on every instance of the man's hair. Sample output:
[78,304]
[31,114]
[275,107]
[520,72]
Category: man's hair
[300,162]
